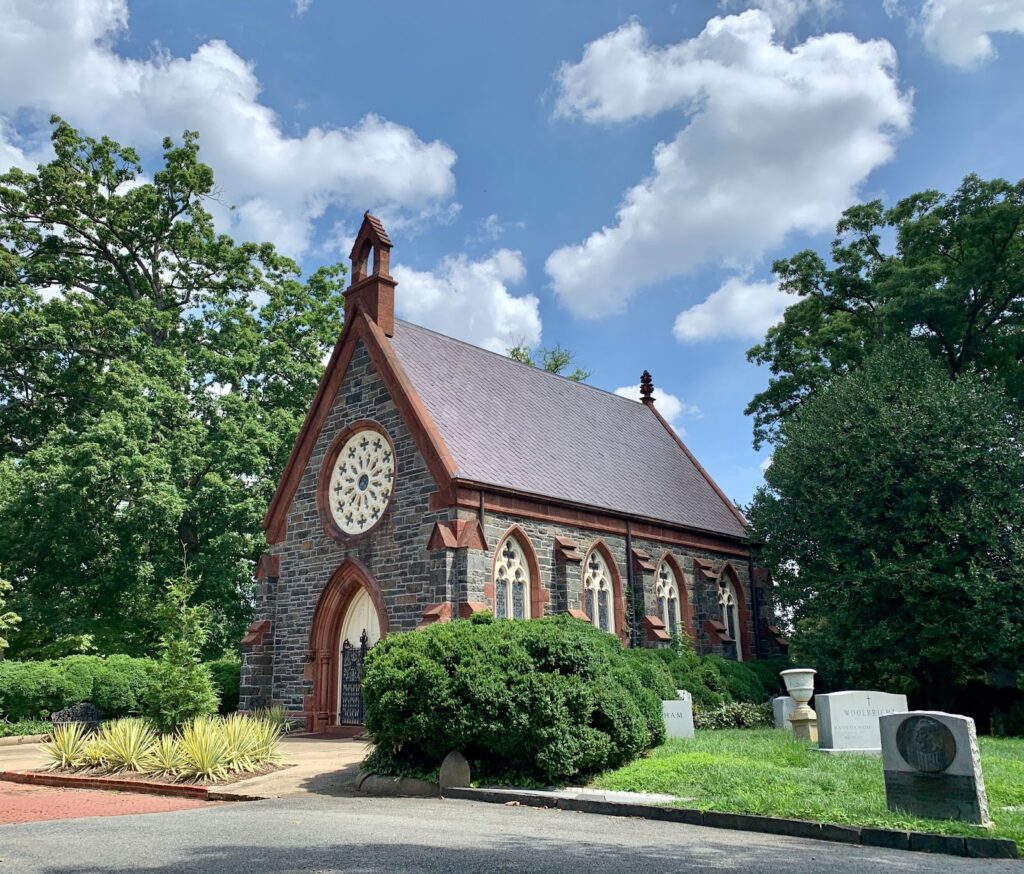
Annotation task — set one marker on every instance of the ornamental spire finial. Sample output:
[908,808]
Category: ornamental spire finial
[646,388]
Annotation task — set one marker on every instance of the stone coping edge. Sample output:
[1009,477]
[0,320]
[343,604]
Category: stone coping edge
[924,842]
[15,739]
[143,787]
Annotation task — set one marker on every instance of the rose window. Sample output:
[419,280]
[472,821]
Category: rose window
[362,480]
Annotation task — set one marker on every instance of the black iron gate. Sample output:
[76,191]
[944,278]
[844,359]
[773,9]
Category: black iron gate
[351,710]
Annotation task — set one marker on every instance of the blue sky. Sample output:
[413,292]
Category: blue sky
[510,149]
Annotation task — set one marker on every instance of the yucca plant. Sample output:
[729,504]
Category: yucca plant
[204,749]
[267,747]
[66,746]
[240,734]
[94,755]
[165,758]
[275,714]
[126,744]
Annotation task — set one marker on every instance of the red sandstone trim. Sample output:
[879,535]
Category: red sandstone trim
[685,607]
[323,482]
[642,561]
[656,631]
[539,595]
[568,550]
[144,787]
[466,495]
[255,633]
[618,598]
[468,608]
[268,567]
[324,638]
[457,534]
[435,613]
[746,627]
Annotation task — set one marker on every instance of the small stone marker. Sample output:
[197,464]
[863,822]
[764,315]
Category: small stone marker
[678,715]
[454,771]
[932,766]
[848,721]
[782,707]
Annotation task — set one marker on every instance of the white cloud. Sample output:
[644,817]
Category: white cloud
[301,6]
[959,31]
[60,56]
[672,408]
[470,300]
[777,139]
[738,309]
[785,13]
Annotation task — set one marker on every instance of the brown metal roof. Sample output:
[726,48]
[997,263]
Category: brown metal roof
[515,427]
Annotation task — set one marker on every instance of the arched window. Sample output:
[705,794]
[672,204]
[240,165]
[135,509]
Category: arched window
[666,591]
[598,591]
[729,607]
[511,581]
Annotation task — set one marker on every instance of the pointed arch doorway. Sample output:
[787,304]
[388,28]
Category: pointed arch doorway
[350,617]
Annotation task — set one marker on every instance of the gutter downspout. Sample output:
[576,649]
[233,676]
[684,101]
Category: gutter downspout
[634,636]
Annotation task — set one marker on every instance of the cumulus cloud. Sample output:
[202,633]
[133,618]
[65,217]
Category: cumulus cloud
[784,13]
[671,407]
[959,31]
[470,300]
[60,56]
[737,310]
[775,139]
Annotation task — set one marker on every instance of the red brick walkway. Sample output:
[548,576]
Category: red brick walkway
[20,802]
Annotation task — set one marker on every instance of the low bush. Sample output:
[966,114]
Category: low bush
[734,714]
[118,685]
[25,727]
[546,700]
[226,674]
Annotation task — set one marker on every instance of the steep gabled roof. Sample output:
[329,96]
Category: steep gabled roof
[512,426]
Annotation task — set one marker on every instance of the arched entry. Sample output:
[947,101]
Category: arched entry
[350,604]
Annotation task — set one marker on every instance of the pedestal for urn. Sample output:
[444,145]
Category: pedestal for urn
[800,685]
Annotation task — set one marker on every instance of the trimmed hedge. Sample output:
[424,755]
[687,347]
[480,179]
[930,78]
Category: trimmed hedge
[546,700]
[116,684]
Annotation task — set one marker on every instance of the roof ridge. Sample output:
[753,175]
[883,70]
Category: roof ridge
[531,367]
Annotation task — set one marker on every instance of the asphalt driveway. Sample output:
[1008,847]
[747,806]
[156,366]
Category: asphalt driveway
[316,833]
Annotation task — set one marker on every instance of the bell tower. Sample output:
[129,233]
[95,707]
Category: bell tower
[373,288]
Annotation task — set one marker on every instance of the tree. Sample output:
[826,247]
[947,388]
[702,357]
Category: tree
[8,619]
[892,522]
[955,284]
[153,375]
[555,360]
[182,687]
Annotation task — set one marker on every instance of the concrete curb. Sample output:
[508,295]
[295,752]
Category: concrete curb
[395,787]
[16,739]
[922,842]
[143,787]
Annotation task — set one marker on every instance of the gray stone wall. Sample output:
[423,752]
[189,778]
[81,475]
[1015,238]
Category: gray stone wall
[395,551]
[564,579]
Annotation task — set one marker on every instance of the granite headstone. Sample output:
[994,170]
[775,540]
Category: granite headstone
[848,721]
[932,766]
[678,715]
[782,706]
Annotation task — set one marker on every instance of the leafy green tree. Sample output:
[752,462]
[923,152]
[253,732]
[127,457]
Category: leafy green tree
[153,374]
[182,687]
[556,360]
[954,283]
[8,619]
[893,523]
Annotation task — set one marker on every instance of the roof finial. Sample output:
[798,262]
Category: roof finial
[646,388]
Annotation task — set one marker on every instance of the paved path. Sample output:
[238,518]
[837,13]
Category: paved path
[22,803]
[334,834]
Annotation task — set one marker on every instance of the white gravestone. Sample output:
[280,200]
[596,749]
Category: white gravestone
[678,715]
[782,707]
[848,721]
[932,766]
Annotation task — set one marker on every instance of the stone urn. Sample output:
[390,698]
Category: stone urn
[800,685]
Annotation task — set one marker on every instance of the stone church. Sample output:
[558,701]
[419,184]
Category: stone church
[432,479]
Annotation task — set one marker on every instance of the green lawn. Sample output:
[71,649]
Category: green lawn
[765,771]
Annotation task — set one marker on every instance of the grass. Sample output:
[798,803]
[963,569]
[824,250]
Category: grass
[767,772]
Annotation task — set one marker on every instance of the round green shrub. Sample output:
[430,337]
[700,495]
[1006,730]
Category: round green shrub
[545,700]
[227,677]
